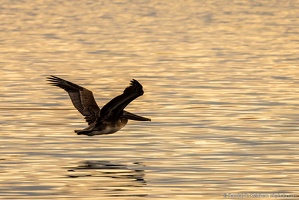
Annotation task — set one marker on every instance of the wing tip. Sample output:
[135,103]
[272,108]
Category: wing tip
[135,82]
[52,78]
[134,87]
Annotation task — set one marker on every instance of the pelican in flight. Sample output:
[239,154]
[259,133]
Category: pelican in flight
[111,118]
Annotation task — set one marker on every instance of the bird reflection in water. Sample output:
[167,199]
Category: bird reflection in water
[111,170]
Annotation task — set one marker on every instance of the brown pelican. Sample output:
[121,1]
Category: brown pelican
[111,118]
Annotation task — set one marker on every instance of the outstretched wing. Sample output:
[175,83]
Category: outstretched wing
[82,98]
[114,108]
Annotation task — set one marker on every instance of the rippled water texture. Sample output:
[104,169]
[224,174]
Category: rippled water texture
[221,86]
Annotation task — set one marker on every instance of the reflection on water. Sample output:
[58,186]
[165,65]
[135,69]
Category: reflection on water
[111,175]
[108,169]
[221,86]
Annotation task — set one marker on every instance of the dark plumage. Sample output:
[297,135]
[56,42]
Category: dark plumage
[112,117]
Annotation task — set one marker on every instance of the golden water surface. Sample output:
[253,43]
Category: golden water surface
[221,82]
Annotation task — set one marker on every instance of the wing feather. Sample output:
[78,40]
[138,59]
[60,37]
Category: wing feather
[114,108]
[82,98]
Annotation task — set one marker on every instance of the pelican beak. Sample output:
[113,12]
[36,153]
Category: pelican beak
[132,116]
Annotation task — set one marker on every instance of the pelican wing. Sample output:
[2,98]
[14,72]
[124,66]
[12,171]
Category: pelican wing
[82,98]
[114,108]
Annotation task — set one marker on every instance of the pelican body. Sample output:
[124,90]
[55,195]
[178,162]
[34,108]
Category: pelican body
[112,117]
